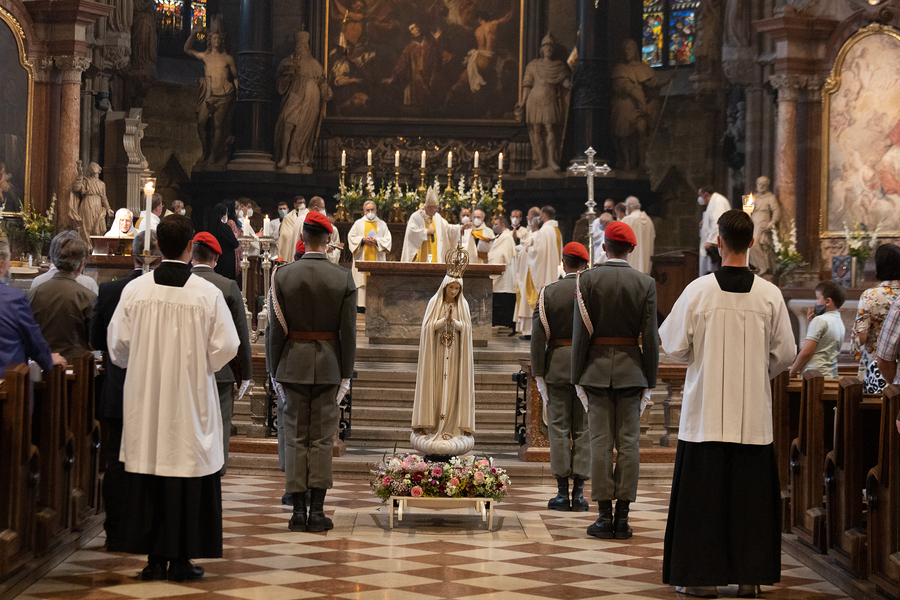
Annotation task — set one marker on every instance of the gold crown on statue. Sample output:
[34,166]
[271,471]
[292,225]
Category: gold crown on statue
[457,260]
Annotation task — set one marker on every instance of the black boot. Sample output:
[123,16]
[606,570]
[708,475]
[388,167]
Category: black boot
[155,569]
[623,531]
[579,504]
[561,501]
[183,570]
[298,519]
[286,499]
[317,519]
[603,527]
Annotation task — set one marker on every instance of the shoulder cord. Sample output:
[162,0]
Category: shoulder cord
[543,313]
[581,307]
[273,303]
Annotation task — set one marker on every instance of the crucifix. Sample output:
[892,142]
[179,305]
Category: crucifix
[590,170]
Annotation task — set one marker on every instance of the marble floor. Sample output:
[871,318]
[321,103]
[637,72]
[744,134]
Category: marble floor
[532,554]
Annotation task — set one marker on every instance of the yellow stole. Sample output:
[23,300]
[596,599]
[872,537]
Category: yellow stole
[429,246]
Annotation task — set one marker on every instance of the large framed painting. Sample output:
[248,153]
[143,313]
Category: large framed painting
[861,135]
[16,95]
[444,60]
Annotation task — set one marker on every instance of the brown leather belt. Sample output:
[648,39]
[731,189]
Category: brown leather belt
[309,336]
[614,341]
[559,343]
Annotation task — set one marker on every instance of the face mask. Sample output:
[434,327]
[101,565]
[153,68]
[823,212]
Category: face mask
[477,222]
[464,220]
[515,221]
[701,201]
[282,214]
[225,219]
[322,211]
[370,216]
[498,230]
[302,206]
[240,214]
[182,212]
[249,212]
[820,309]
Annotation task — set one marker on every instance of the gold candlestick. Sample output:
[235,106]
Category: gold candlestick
[449,180]
[498,212]
[368,179]
[343,174]
[397,180]
[475,181]
[422,188]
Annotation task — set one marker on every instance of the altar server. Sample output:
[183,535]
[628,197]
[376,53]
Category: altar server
[645,233]
[172,322]
[542,259]
[312,354]
[369,240]
[732,329]
[551,363]
[615,354]
[716,204]
[428,235]
[286,240]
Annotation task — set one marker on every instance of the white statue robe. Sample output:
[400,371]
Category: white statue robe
[734,345]
[360,230]
[446,236]
[444,401]
[541,267]
[642,225]
[503,252]
[766,213]
[709,232]
[296,232]
[172,340]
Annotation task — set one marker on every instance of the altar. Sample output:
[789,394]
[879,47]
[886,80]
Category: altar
[398,293]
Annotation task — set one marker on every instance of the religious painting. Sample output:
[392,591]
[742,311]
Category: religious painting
[861,131]
[15,118]
[424,59]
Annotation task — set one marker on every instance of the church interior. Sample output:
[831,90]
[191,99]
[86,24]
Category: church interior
[786,109]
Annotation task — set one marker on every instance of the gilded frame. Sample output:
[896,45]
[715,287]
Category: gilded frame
[422,121]
[829,90]
[19,34]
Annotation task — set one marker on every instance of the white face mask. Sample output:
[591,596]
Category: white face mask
[282,214]
[182,212]
[240,214]
[515,221]
[225,219]
[302,206]
[322,211]
[370,216]
[477,221]
[249,212]
[701,201]
[464,220]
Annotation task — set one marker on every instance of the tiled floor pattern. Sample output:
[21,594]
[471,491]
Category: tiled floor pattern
[532,554]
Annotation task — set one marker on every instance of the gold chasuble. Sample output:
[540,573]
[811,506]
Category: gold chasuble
[429,246]
[370,253]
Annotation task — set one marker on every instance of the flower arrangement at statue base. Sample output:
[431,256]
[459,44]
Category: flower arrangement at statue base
[462,477]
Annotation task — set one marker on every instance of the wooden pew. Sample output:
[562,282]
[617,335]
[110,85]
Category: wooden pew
[807,458]
[855,452]
[19,475]
[883,498]
[85,444]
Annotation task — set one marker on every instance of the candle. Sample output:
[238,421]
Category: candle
[266,226]
[500,162]
[397,159]
[450,159]
[423,159]
[148,194]
[369,158]
[476,159]
[343,158]
[245,227]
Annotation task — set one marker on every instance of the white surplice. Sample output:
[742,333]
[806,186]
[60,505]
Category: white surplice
[642,225]
[172,340]
[334,255]
[383,243]
[417,232]
[541,266]
[709,232]
[503,252]
[734,345]
[473,245]
[296,232]
[285,234]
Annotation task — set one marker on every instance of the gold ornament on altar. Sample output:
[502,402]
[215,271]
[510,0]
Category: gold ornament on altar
[457,260]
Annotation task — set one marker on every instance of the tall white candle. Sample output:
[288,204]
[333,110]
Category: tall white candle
[476,159]
[397,158]
[343,158]
[369,157]
[500,162]
[266,226]
[149,188]
[423,159]
[450,159]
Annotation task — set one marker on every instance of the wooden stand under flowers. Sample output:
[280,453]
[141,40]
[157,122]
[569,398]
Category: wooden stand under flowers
[484,506]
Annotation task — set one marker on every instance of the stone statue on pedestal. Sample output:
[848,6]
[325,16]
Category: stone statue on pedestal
[88,206]
[634,108]
[766,214]
[546,89]
[218,88]
[304,90]
[143,35]
[443,420]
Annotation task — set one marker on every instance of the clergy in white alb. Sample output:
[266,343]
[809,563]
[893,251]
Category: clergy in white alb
[733,331]
[642,225]
[542,259]
[297,233]
[334,247]
[428,235]
[368,240]
[503,252]
[478,239]
[716,204]
[172,330]
[286,241]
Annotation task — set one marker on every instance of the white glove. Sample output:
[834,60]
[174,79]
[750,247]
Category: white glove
[244,387]
[542,388]
[342,391]
[279,390]
[582,396]
[645,400]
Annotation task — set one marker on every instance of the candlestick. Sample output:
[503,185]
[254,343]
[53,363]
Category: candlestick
[343,158]
[369,158]
[422,188]
[450,160]
[397,180]
[476,159]
[397,158]
[475,181]
[749,204]
[449,178]
[343,173]
[266,226]
[423,159]
[499,210]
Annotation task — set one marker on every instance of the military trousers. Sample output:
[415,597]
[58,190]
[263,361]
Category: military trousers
[310,420]
[614,417]
[567,424]
[226,402]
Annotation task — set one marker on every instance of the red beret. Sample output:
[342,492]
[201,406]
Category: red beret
[576,249]
[207,238]
[301,247]
[314,217]
[618,231]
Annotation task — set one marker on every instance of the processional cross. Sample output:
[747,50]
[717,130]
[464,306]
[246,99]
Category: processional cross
[590,170]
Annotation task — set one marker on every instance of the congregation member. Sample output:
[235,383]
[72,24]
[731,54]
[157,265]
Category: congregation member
[888,350]
[227,265]
[110,405]
[122,225]
[825,333]
[83,279]
[170,321]
[156,209]
[428,235]
[289,235]
[542,259]
[20,336]
[369,240]
[206,253]
[551,363]
[716,205]
[874,304]
[645,233]
[503,252]
[615,355]
[724,523]
[311,354]
[62,306]
[231,220]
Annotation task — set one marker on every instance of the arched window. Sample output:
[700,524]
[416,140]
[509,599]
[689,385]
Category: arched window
[669,32]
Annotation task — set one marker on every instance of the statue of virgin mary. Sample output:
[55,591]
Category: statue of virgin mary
[443,420]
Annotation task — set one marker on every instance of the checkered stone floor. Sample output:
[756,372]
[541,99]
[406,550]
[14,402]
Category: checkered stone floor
[532,553]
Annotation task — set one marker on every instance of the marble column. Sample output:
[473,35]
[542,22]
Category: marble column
[788,88]
[70,70]
[43,148]
[592,88]
[254,130]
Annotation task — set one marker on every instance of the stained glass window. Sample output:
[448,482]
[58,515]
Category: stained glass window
[198,16]
[669,32]
[168,16]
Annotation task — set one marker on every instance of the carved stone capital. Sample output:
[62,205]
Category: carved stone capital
[43,69]
[116,57]
[71,67]
[788,86]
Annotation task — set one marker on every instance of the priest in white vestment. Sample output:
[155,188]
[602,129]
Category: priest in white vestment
[173,323]
[428,235]
[286,241]
[716,204]
[297,233]
[542,259]
[369,240]
[733,330]
[503,252]
[642,225]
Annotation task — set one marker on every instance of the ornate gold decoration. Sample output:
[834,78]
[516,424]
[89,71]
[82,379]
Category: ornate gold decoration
[457,260]
[19,33]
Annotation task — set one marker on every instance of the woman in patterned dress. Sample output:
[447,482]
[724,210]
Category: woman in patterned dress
[874,305]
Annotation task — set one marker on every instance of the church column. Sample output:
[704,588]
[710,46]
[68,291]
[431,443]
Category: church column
[788,88]
[43,148]
[253,116]
[70,70]
[592,88]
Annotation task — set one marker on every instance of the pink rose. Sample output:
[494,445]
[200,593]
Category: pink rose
[386,480]
[405,464]
[479,477]
[416,492]
[437,472]
[483,462]
[421,466]
[454,481]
